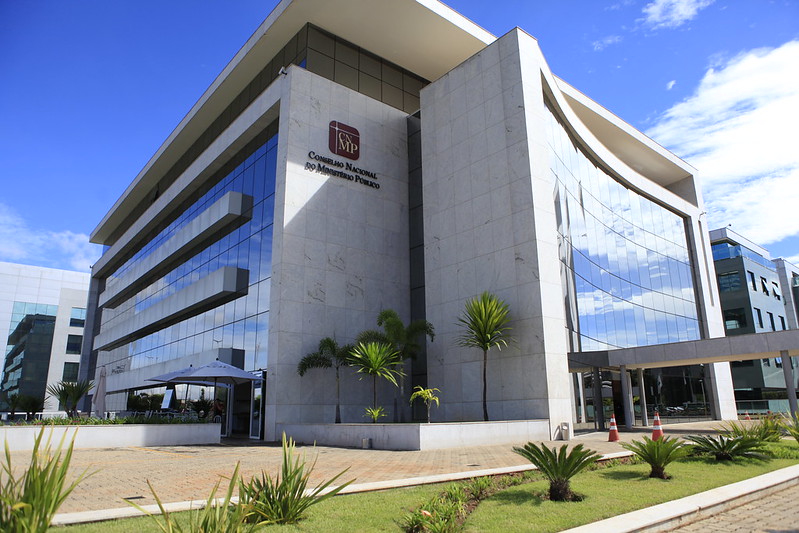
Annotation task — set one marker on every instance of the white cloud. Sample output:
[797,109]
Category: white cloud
[670,85]
[605,42]
[672,13]
[56,249]
[739,130]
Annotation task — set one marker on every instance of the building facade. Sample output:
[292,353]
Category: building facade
[408,161]
[42,315]
[757,296]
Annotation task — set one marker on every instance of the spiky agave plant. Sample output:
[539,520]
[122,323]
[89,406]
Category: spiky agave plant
[657,453]
[791,426]
[766,430]
[726,448]
[558,466]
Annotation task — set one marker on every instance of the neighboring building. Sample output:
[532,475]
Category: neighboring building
[757,295]
[42,315]
[353,158]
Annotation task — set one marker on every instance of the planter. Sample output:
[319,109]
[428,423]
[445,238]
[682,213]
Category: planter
[419,436]
[19,438]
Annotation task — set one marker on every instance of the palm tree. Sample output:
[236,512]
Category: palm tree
[558,466]
[485,320]
[428,396]
[407,340]
[69,393]
[329,354]
[377,359]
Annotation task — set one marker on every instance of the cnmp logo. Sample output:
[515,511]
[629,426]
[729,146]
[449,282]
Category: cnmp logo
[344,140]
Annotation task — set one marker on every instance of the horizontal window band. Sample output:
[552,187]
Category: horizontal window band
[213,290]
[220,218]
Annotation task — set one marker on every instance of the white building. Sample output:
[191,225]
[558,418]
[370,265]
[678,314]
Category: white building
[42,314]
[356,156]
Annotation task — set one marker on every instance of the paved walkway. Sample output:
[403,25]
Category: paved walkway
[776,513]
[181,473]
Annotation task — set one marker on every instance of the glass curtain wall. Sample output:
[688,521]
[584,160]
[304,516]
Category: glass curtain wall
[242,323]
[627,269]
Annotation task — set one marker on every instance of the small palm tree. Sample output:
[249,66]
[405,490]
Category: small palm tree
[329,354]
[657,453]
[377,360]
[407,340]
[485,320]
[791,426]
[726,448]
[69,393]
[558,467]
[428,396]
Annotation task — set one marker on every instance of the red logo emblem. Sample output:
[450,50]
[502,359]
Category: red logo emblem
[344,140]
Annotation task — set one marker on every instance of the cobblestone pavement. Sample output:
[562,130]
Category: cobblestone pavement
[180,473]
[775,513]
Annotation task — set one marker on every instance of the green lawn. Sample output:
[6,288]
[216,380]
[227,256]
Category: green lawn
[606,491]
[368,511]
[613,491]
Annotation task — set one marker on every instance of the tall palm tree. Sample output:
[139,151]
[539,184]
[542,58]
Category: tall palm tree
[379,360]
[329,354]
[407,340]
[485,320]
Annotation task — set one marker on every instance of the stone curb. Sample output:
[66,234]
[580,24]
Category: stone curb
[676,513]
[64,519]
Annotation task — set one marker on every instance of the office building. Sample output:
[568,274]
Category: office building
[42,315]
[356,156]
[757,295]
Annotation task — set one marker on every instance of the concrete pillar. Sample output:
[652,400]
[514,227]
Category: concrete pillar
[581,393]
[642,398]
[599,413]
[790,386]
[627,398]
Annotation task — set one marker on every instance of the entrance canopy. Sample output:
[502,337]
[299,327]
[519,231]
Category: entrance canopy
[717,350]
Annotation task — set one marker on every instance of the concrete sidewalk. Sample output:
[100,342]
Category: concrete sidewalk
[184,473]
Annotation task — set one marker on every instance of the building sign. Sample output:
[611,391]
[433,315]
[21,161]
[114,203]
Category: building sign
[344,140]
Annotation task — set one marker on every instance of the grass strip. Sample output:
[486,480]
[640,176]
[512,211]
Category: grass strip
[614,491]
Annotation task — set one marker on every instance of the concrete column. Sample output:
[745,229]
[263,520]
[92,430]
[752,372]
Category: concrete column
[627,398]
[790,386]
[581,393]
[642,398]
[599,413]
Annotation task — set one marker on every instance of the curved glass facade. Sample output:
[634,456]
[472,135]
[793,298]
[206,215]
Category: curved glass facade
[625,258]
[242,323]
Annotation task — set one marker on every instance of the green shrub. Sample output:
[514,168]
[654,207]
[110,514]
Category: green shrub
[766,430]
[726,448]
[29,502]
[285,499]
[791,426]
[69,393]
[375,413]
[657,453]
[480,487]
[558,467]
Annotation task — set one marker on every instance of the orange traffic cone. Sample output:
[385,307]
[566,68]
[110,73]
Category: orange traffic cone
[658,431]
[613,436]
[746,416]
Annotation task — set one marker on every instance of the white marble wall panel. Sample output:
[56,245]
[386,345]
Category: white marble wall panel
[489,225]
[340,249]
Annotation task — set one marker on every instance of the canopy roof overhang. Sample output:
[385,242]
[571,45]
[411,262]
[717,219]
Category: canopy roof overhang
[423,36]
[717,350]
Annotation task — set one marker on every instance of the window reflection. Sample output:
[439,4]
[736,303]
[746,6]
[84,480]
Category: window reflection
[628,256]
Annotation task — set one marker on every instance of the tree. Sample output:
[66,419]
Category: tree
[428,396]
[329,354]
[485,320]
[69,393]
[407,340]
[377,359]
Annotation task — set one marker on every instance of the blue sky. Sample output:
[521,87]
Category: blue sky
[92,88]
